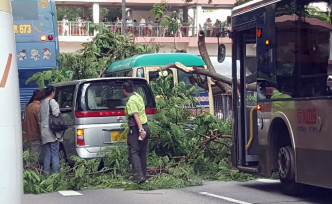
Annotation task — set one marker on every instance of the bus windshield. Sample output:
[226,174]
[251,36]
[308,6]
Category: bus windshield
[20,9]
[191,80]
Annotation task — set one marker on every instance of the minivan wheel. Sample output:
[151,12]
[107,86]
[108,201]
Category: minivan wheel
[286,168]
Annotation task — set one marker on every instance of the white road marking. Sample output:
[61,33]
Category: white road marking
[224,198]
[268,180]
[70,193]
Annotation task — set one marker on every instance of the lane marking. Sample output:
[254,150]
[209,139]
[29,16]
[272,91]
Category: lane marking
[70,193]
[6,71]
[224,198]
[268,180]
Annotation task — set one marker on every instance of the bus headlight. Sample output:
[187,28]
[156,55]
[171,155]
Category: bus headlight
[163,73]
[43,38]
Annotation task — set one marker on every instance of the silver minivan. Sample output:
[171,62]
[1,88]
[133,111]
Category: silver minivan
[94,109]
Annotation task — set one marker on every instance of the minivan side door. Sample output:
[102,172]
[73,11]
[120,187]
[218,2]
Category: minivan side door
[65,97]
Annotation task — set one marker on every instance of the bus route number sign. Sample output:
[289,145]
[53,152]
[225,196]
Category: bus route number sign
[22,29]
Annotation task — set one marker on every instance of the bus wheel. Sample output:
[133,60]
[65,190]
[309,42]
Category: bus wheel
[286,168]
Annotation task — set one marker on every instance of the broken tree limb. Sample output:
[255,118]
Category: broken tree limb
[215,76]
[222,84]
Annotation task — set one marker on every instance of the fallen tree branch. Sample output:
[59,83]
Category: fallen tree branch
[215,76]
[38,170]
[216,141]
[95,172]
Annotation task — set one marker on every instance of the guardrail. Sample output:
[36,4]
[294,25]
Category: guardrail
[82,28]
[74,28]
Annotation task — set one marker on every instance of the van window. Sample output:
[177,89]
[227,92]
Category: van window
[65,96]
[107,95]
[140,72]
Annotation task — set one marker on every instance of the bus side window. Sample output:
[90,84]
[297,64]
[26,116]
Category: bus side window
[140,73]
[130,73]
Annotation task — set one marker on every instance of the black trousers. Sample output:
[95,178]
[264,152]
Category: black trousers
[137,151]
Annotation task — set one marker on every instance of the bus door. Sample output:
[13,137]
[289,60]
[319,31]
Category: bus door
[246,121]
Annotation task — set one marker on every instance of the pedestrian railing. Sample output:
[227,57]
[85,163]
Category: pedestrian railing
[152,30]
[74,28]
[82,28]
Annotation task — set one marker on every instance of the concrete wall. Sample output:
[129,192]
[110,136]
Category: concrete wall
[67,47]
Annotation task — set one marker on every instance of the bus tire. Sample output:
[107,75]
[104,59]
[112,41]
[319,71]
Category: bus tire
[286,169]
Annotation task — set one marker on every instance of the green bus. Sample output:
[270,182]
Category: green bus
[148,66]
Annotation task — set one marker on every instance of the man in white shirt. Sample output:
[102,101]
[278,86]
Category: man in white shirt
[178,31]
[150,25]
[220,115]
[65,25]
[129,24]
[142,26]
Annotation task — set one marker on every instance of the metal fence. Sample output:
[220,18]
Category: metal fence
[82,28]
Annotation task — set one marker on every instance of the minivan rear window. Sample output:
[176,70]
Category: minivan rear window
[65,96]
[107,95]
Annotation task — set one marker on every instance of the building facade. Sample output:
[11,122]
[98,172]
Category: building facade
[192,17]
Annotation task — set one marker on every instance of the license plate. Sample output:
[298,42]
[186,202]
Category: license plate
[115,135]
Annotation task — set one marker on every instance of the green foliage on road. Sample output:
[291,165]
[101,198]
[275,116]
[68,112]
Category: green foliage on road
[183,151]
[95,57]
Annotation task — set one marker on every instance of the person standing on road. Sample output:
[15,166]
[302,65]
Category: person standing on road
[32,134]
[51,140]
[139,131]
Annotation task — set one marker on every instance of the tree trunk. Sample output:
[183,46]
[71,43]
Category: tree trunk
[223,84]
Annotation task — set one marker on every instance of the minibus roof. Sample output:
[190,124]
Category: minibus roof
[157,59]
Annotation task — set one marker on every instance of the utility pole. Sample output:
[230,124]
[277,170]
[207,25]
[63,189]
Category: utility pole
[123,24]
[11,171]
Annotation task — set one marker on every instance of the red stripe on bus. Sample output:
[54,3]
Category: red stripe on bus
[246,8]
[266,108]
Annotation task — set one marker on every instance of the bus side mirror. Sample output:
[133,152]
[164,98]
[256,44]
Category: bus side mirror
[221,53]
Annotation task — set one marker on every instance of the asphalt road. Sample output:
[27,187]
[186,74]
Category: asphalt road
[261,191]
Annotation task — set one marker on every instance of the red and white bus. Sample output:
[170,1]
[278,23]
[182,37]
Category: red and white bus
[282,106]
